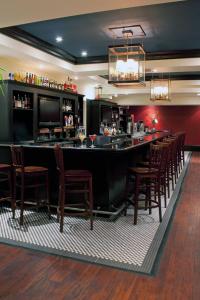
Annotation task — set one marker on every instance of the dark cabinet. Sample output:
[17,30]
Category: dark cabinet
[124,117]
[101,112]
[24,109]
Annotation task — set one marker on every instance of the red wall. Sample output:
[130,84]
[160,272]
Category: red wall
[174,118]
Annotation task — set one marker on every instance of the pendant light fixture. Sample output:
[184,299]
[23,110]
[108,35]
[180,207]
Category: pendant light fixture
[126,62]
[160,89]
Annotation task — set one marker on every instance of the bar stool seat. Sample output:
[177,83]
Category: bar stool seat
[78,173]
[32,169]
[4,166]
[145,171]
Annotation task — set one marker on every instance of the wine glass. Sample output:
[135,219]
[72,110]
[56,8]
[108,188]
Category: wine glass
[81,135]
[92,139]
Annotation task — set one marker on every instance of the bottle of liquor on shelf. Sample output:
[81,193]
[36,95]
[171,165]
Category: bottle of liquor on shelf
[19,103]
[14,102]
[28,103]
[32,79]
[27,77]
[25,102]
[22,102]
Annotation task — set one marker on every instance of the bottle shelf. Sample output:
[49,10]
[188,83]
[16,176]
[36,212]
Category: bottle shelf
[24,109]
[68,112]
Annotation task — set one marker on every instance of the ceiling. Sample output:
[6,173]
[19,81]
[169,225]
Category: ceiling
[23,11]
[168,27]
[171,32]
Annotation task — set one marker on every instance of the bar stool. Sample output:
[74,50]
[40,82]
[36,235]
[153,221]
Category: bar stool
[6,177]
[73,182]
[150,177]
[173,158]
[28,177]
[166,174]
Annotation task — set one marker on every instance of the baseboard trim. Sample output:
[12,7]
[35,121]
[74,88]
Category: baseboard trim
[192,147]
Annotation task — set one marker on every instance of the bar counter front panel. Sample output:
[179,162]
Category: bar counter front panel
[107,163]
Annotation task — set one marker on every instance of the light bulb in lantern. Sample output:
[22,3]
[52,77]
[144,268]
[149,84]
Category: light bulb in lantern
[121,66]
[160,91]
[132,65]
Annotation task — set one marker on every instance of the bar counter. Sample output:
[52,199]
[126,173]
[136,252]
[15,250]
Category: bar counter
[108,164]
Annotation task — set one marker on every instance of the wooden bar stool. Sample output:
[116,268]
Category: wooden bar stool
[28,177]
[166,174]
[173,159]
[149,179]
[6,177]
[73,182]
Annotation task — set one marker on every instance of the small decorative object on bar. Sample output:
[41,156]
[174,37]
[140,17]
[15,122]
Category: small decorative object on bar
[92,139]
[81,134]
[126,62]
[154,122]
[98,92]
[160,90]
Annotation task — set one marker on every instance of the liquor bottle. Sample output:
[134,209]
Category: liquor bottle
[29,78]
[28,102]
[26,77]
[22,102]
[19,102]
[14,102]
[35,79]
[25,102]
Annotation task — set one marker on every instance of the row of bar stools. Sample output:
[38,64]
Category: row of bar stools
[6,177]
[28,177]
[152,178]
[34,177]
[73,182]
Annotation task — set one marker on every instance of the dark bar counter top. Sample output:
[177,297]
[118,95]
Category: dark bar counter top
[118,144]
[108,163]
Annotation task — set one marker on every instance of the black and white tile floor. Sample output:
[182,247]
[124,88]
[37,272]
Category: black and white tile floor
[118,243]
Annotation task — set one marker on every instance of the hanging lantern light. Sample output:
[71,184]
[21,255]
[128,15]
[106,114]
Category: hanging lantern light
[160,90]
[126,63]
[98,92]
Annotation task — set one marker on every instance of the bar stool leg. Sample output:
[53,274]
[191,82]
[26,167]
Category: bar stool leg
[62,202]
[137,184]
[165,191]
[11,193]
[48,195]
[91,203]
[14,193]
[159,202]
[22,202]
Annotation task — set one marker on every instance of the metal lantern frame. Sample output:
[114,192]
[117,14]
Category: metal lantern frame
[126,65]
[160,90]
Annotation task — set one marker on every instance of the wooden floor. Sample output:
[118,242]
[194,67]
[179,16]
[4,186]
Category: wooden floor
[31,275]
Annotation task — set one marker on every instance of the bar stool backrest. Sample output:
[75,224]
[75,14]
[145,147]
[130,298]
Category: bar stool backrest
[59,162]
[17,154]
[157,156]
